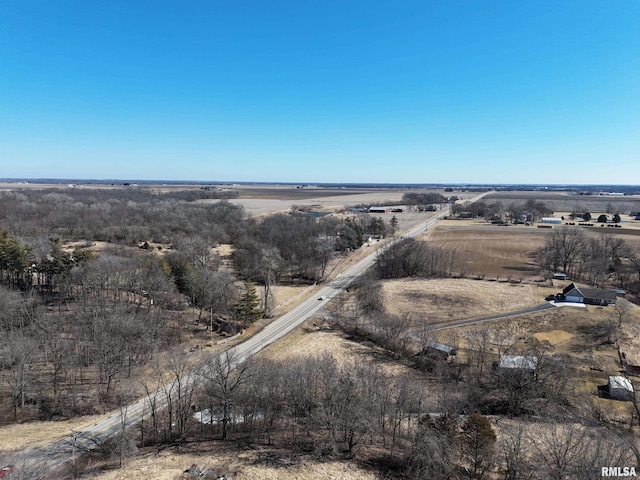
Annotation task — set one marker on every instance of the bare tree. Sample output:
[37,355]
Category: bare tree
[224,376]
[479,338]
[622,308]
[562,250]
[514,447]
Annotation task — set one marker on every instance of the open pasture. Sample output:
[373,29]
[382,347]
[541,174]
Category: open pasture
[435,301]
[280,201]
[489,250]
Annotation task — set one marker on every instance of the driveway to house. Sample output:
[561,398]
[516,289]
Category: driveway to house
[415,333]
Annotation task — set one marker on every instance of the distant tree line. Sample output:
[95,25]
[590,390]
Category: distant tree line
[529,211]
[423,200]
[117,216]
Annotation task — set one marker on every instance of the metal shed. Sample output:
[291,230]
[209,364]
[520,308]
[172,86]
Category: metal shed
[620,388]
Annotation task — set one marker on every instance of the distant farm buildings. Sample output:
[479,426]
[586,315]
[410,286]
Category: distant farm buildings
[393,209]
[589,296]
[551,220]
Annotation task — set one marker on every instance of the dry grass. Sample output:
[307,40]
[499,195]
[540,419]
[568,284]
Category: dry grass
[258,464]
[490,250]
[554,337]
[441,300]
[35,434]
[308,341]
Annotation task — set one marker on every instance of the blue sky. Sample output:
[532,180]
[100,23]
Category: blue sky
[332,91]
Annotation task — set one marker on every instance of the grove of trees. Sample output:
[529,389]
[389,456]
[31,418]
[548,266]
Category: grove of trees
[595,259]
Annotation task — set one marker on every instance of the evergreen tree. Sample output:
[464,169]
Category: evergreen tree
[394,224]
[479,440]
[248,307]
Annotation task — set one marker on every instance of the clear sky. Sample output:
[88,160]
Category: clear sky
[322,91]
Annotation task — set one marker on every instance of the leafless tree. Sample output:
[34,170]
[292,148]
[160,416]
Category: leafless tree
[479,340]
[622,308]
[224,376]
[19,369]
[514,446]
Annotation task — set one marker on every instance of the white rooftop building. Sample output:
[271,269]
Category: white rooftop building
[519,362]
[620,388]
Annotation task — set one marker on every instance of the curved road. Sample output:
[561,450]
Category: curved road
[40,462]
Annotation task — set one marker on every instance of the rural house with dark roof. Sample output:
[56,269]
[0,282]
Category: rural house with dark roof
[590,296]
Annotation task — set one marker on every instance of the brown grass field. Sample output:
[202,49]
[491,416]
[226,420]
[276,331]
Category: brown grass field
[440,300]
[490,250]
[35,434]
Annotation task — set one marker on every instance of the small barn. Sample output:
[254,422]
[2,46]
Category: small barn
[439,349]
[589,296]
[553,220]
[518,365]
[379,210]
[620,388]
[518,362]
[559,276]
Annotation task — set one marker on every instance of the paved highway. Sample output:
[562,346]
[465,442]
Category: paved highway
[39,462]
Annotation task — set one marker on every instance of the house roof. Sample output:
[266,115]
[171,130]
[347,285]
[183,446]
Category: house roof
[518,361]
[620,382]
[573,290]
[442,347]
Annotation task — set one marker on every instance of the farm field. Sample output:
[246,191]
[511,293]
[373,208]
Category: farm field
[433,301]
[506,252]
[490,250]
[566,202]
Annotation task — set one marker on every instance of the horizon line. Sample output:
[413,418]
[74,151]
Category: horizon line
[302,183]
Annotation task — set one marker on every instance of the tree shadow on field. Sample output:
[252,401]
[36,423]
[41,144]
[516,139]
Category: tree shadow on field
[599,334]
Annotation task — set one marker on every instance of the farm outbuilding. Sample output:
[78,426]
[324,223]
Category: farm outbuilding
[556,221]
[439,349]
[589,296]
[379,210]
[559,276]
[620,388]
[518,362]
